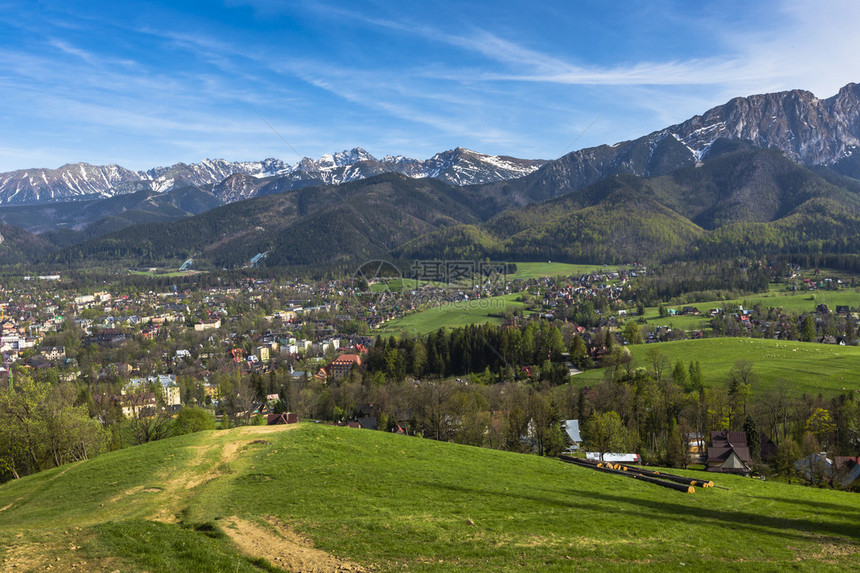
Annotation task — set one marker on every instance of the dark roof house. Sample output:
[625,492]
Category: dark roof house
[283,418]
[729,453]
[846,468]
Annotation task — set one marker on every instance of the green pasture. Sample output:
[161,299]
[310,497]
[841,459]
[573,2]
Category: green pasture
[455,314]
[159,274]
[549,269]
[793,367]
[798,301]
[776,297]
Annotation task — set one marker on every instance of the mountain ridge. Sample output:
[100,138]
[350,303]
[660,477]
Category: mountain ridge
[808,130]
[77,181]
[721,207]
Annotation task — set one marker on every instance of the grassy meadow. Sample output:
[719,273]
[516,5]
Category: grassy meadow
[294,498]
[455,314]
[550,269]
[795,367]
[776,297]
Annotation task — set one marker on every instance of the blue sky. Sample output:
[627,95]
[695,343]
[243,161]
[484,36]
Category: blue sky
[153,83]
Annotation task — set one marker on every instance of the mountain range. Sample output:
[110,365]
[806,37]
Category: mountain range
[771,173]
[234,181]
[808,130]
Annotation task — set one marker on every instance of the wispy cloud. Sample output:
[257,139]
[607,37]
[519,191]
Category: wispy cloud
[67,48]
[804,41]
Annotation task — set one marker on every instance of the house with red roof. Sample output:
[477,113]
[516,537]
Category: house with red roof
[342,365]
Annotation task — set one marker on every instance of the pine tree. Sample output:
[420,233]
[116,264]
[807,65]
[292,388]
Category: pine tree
[579,352]
[753,438]
[807,329]
[696,379]
[680,376]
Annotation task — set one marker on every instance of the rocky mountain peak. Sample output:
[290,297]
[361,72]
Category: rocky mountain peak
[807,129]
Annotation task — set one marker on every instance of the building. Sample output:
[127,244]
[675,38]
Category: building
[284,418]
[571,427]
[263,353]
[211,391]
[137,395]
[695,443]
[210,324]
[729,453]
[343,364]
[54,353]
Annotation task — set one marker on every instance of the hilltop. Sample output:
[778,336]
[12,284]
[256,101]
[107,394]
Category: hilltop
[257,498]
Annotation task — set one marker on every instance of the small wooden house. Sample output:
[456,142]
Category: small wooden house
[729,453]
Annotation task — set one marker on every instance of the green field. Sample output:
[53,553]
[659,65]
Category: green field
[454,314]
[776,297]
[538,270]
[801,301]
[253,499]
[799,367]
[458,314]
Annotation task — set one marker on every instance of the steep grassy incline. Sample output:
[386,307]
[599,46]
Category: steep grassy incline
[255,499]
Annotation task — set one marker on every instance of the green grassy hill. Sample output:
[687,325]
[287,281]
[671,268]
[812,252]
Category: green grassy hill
[795,367]
[777,297]
[312,496]
[455,315]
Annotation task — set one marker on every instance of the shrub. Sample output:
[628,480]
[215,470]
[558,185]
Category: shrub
[192,420]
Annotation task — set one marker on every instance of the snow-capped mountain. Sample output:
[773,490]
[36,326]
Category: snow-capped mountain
[466,167]
[210,171]
[67,182]
[84,181]
[808,130]
[457,167]
[234,181]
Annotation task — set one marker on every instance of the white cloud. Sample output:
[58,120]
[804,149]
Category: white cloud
[805,44]
[67,48]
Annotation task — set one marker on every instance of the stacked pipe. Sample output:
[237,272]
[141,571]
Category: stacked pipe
[670,477]
[677,483]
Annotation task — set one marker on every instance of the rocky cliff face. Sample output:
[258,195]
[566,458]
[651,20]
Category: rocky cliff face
[808,130]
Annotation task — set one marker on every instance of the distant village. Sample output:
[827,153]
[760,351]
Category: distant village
[321,329]
[240,348]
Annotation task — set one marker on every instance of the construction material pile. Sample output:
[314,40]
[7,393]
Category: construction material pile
[678,483]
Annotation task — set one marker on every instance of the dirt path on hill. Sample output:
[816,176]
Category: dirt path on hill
[283,547]
[177,485]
